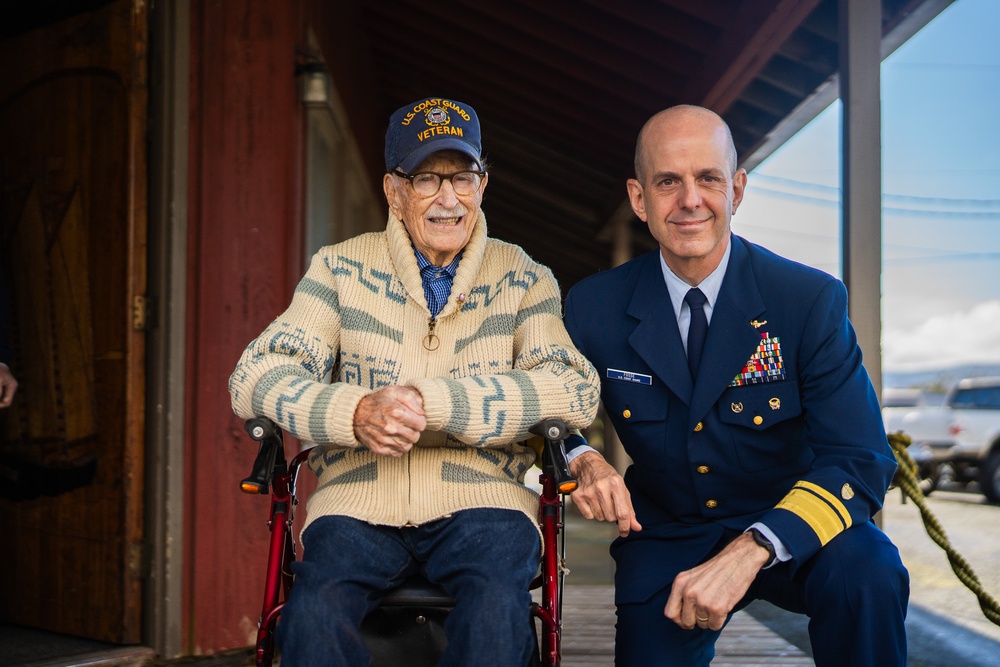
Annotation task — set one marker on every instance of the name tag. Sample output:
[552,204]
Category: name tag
[629,376]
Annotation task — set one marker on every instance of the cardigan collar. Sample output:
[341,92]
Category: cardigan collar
[404,261]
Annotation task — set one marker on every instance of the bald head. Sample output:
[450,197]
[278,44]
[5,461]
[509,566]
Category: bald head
[682,119]
[687,188]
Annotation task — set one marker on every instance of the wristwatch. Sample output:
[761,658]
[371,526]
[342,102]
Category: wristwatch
[760,539]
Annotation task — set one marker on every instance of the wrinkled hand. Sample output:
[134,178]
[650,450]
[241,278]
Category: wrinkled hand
[389,421]
[8,386]
[601,493]
[705,595]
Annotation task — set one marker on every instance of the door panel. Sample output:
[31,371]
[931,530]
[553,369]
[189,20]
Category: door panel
[72,248]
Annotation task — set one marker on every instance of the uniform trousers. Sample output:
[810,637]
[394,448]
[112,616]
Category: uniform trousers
[854,590]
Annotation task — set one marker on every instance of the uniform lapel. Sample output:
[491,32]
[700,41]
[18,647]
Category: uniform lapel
[656,338]
[731,338]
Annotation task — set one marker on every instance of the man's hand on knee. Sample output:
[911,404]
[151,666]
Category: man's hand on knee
[602,493]
[389,421]
[704,595]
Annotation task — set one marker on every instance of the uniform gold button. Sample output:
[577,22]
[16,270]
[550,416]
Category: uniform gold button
[703,470]
[758,420]
[698,427]
[712,504]
[626,413]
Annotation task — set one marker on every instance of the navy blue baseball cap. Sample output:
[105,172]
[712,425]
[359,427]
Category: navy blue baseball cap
[433,124]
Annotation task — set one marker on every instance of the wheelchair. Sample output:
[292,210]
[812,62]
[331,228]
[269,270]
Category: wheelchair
[408,626]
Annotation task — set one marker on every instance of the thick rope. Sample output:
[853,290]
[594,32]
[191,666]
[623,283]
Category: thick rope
[906,479]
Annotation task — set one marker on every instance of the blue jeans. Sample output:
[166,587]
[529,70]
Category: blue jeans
[484,558]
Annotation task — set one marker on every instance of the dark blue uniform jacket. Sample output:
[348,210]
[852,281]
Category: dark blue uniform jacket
[782,424]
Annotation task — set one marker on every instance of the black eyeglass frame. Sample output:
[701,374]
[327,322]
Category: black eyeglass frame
[441,179]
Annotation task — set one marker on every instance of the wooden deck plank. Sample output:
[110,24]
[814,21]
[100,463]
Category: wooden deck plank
[589,635]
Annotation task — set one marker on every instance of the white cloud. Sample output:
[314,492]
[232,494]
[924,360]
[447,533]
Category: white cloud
[963,337]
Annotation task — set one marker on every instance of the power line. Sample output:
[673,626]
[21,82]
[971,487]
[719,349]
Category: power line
[953,257]
[935,254]
[836,190]
[831,196]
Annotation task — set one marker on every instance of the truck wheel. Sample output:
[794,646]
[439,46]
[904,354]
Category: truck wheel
[929,478]
[989,478]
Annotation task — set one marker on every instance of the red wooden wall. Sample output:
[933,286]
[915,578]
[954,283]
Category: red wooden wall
[244,260]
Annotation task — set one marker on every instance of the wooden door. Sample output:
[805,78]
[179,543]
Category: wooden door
[72,248]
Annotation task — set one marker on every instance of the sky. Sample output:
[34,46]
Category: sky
[941,194]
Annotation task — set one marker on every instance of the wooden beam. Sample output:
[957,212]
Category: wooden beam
[761,32]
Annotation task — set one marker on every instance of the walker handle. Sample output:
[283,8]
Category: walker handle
[267,433]
[554,463]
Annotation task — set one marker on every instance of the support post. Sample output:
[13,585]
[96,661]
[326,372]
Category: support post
[860,60]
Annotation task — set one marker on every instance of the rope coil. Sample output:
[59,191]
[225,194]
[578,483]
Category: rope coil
[906,479]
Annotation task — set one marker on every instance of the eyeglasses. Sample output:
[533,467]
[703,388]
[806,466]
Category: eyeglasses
[428,183]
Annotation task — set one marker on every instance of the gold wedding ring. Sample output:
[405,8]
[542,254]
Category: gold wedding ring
[700,619]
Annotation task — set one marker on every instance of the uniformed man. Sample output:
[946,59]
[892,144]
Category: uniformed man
[736,384]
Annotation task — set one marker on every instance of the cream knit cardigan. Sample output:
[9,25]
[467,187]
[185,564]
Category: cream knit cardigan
[504,363]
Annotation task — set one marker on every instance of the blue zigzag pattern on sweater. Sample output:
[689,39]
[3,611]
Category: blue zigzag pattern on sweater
[491,292]
[508,461]
[497,420]
[293,343]
[389,281]
[322,458]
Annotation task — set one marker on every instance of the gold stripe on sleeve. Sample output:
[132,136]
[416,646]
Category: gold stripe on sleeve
[819,508]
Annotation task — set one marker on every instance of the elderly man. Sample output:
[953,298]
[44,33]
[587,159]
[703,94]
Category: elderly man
[445,346]
[735,382]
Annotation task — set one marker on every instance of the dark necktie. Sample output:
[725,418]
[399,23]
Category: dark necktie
[698,329]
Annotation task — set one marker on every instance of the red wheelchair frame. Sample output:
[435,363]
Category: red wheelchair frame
[273,474]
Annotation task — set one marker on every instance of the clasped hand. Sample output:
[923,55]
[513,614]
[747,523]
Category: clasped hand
[389,421]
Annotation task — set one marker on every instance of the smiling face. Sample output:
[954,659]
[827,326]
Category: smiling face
[441,225]
[687,188]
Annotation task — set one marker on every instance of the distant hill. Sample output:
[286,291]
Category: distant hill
[936,380]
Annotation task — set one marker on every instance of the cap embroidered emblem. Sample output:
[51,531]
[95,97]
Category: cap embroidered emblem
[846,492]
[437,116]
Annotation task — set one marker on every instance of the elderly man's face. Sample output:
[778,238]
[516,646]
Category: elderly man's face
[442,224]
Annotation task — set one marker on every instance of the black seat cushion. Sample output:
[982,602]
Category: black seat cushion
[417,591]
[408,626]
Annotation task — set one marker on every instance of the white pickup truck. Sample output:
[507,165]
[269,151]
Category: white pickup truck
[960,439]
